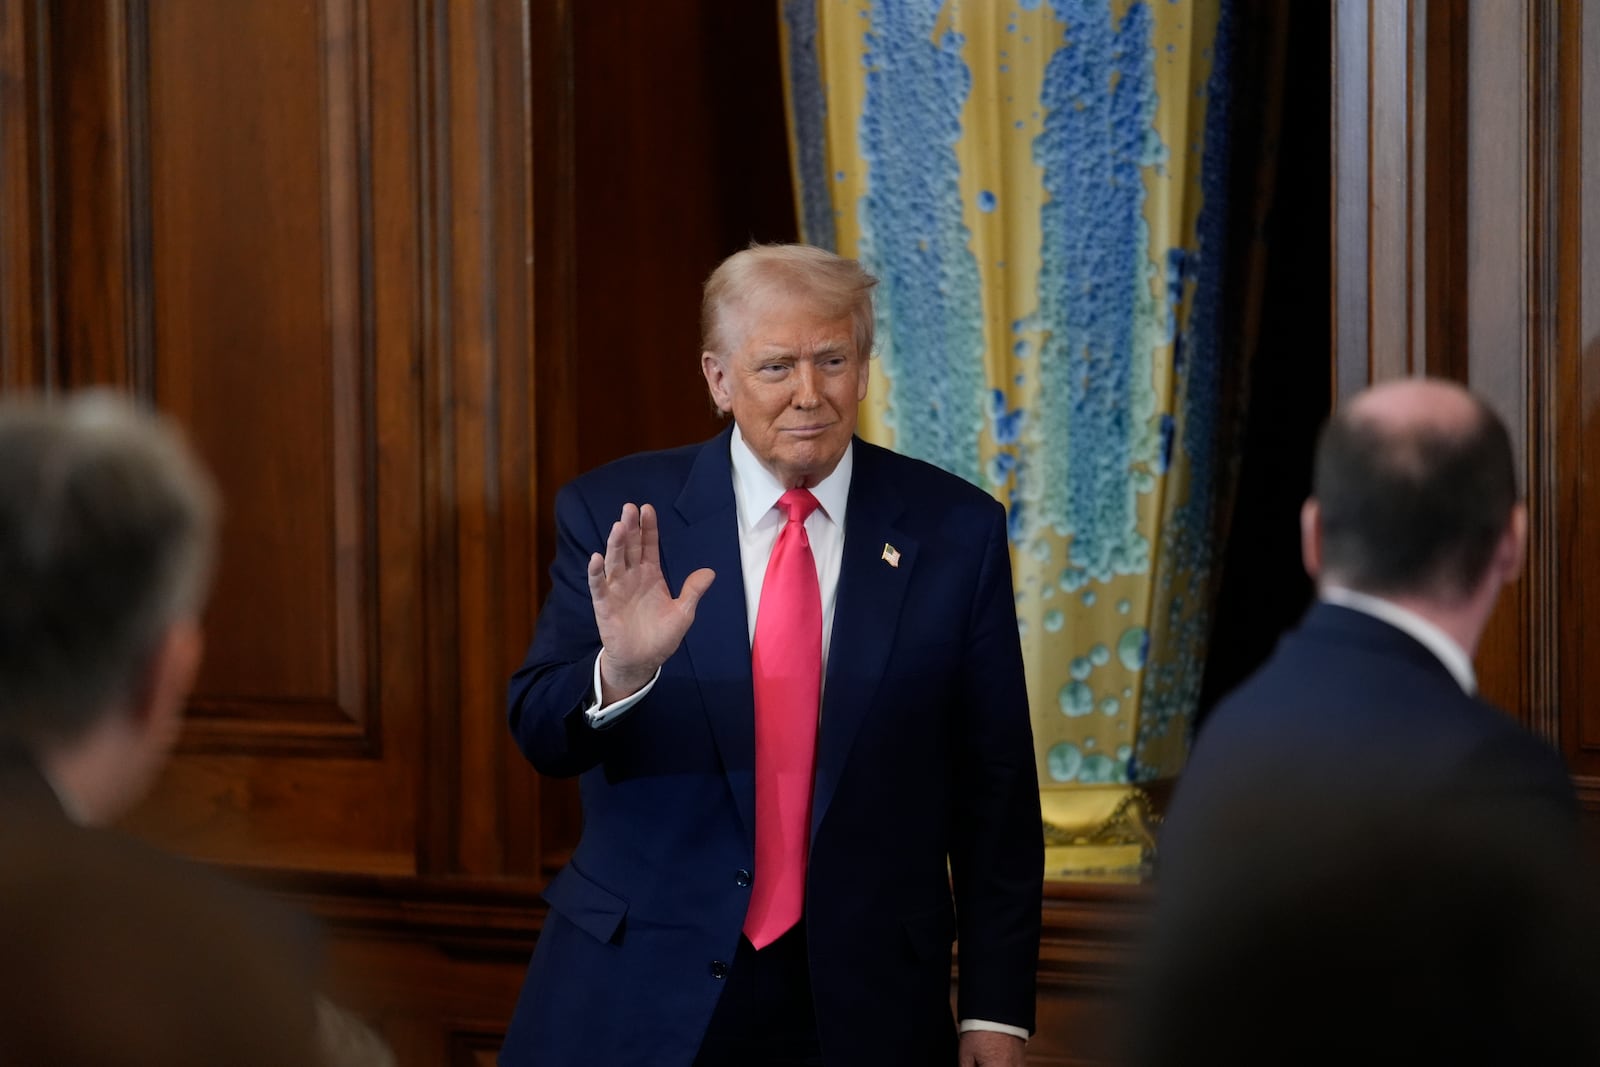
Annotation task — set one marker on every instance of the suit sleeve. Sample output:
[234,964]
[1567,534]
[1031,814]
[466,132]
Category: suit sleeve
[551,689]
[997,855]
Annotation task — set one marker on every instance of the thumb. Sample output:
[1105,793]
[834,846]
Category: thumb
[694,587]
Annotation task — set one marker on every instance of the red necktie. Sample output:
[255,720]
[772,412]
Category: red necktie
[786,665]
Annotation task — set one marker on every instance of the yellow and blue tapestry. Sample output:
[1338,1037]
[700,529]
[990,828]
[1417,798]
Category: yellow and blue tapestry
[1038,184]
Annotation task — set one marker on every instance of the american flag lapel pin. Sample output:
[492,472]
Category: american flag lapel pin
[891,555]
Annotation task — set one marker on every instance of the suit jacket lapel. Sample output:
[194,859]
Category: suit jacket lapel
[718,643]
[866,614]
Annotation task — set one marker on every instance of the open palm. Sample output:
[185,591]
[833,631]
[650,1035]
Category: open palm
[641,623]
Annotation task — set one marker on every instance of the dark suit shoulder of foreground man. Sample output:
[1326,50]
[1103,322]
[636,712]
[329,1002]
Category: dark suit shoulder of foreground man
[112,954]
[1364,861]
[810,772]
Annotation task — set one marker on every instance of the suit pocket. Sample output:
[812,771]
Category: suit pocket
[931,932]
[587,905]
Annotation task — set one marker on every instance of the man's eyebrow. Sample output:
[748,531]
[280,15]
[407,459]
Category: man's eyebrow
[776,350]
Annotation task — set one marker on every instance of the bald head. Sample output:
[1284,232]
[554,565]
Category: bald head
[1425,405]
[1415,485]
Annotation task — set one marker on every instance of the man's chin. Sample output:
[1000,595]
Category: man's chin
[806,466]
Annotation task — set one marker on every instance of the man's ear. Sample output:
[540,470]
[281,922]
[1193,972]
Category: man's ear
[716,372]
[158,712]
[1511,552]
[1311,537]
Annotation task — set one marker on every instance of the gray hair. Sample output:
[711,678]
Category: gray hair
[831,284]
[107,531]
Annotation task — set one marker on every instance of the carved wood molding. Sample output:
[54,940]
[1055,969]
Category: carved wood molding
[1089,935]
[481,917]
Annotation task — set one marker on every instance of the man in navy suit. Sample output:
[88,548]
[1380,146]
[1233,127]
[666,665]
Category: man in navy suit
[1364,861]
[919,821]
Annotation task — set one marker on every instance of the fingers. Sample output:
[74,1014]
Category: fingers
[622,544]
[649,536]
[631,541]
[694,587]
[616,550]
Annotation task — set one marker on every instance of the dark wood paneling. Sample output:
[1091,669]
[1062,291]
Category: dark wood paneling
[268,153]
[478,494]
[1439,200]
[1390,134]
[436,965]
[1501,358]
[256,267]
[27,348]
[681,159]
[555,386]
[1399,140]
[307,232]
[1350,222]
[1509,115]
[100,319]
[1089,938]
[1578,414]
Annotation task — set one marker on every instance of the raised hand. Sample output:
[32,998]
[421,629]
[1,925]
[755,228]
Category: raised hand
[641,624]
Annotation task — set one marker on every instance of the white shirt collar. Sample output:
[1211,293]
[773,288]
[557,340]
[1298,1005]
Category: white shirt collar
[757,490]
[1435,640]
[69,805]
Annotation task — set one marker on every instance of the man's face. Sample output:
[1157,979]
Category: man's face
[792,384]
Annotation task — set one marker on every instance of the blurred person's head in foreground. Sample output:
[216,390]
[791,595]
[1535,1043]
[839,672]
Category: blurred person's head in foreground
[107,526]
[113,954]
[1414,500]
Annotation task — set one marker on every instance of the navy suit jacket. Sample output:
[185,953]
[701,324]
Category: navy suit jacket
[1350,710]
[1363,863]
[925,821]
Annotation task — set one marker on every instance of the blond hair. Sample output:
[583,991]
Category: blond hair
[830,284]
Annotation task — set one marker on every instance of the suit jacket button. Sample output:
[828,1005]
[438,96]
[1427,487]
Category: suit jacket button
[742,876]
[719,969]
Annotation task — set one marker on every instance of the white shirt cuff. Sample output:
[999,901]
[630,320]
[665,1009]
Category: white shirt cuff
[985,1024]
[600,717]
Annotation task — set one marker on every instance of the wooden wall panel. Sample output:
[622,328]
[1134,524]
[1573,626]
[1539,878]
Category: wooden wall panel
[1398,111]
[255,286]
[1577,387]
[307,232]
[1504,362]
[1352,177]
[483,485]
[26,346]
[262,157]
[99,324]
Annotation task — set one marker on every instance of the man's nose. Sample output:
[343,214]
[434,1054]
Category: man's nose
[805,385]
